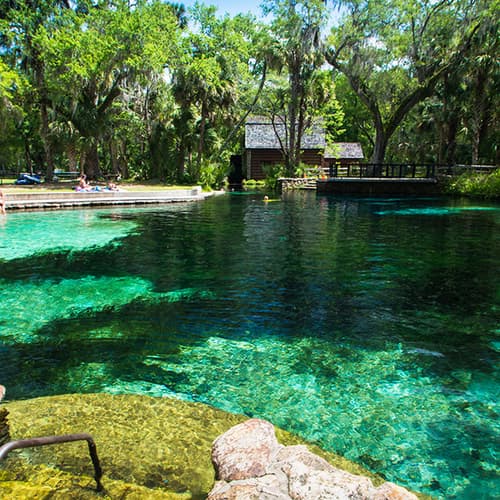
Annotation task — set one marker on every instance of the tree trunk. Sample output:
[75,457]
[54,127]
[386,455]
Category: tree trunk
[381,140]
[92,169]
[451,143]
[44,133]
[123,160]
[44,115]
[300,127]
[27,156]
[449,120]
[441,144]
[480,110]
[113,156]
[292,115]
[181,161]
[72,156]
[293,79]
[201,141]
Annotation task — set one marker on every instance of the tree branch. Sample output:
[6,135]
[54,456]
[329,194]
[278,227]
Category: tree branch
[249,110]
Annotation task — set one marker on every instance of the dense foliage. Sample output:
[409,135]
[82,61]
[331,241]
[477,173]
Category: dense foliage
[146,89]
[476,185]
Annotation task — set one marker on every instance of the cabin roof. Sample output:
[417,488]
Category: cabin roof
[261,134]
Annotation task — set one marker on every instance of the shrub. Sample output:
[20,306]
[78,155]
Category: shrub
[212,175]
[473,184]
[273,173]
[252,183]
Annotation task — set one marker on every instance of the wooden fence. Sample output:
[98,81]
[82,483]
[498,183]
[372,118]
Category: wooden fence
[402,170]
[383,170]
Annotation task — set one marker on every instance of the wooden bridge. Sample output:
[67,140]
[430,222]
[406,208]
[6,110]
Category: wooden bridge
[383,170]
[389,178]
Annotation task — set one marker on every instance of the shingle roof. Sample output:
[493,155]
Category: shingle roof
[260,134]
[345,150]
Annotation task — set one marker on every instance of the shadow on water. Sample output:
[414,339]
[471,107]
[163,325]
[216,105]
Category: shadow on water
[365,325]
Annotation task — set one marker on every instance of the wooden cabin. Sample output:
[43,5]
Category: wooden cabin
[262,147]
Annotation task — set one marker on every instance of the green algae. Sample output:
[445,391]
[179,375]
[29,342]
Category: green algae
[390,405]
[154,447]
[25,234]
[27,482]
[70,298]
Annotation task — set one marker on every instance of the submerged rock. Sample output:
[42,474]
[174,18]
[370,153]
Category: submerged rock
[250,463]
[148,448]
[160,444]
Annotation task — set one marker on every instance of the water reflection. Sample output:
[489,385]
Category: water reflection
[365,325]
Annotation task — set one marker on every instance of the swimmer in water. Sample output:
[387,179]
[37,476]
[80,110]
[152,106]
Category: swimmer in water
[2,203]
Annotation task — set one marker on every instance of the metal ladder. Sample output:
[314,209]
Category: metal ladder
[66,438]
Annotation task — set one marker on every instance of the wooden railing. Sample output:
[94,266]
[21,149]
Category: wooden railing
[402,170]
[383,170]
[461,169]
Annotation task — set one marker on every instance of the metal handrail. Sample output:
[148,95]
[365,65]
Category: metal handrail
[67,438]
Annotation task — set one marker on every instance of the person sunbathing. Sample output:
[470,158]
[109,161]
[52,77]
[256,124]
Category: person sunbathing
[83,185]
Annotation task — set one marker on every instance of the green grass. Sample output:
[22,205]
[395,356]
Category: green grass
[68,187]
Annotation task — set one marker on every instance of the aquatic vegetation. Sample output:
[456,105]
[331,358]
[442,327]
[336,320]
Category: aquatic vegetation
[156,447]
[367,326]
[391,404]
[25,308]
[435,210]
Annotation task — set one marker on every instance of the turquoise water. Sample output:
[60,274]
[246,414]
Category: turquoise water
[368,326]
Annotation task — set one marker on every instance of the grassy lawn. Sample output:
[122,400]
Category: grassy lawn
[8,186]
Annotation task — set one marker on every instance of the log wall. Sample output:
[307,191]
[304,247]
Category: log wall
[256,159]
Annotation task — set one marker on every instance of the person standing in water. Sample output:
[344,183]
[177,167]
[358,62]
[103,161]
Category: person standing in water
[2,203]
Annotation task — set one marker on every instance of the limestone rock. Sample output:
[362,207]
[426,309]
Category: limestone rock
[391,491]
[262,488]
[251,465]
[244,451]
[310,476]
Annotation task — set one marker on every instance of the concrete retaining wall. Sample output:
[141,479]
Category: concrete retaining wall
[46,200]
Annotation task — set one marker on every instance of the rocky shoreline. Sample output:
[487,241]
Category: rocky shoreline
[164,448]
[251,464]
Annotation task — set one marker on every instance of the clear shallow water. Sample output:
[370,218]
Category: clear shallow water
[24,235]
[369,326]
